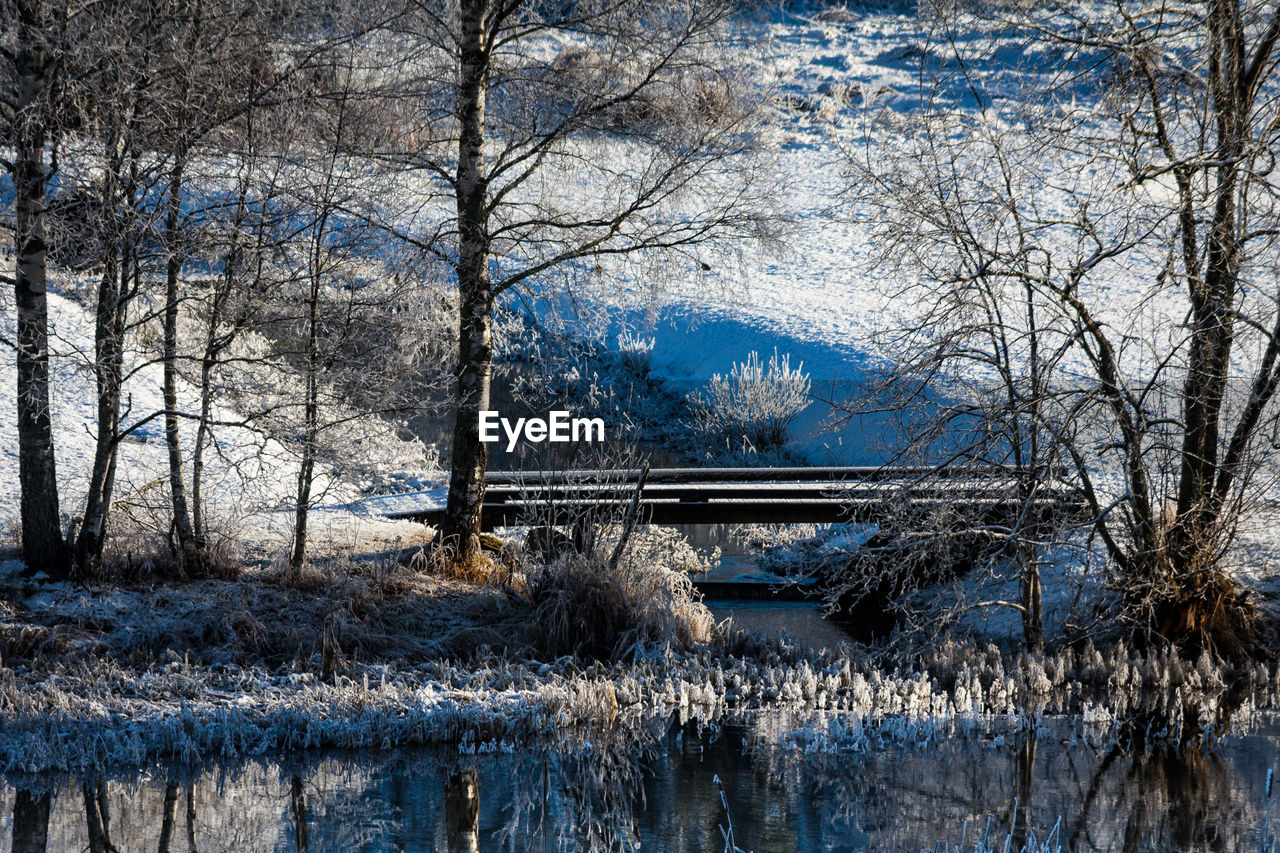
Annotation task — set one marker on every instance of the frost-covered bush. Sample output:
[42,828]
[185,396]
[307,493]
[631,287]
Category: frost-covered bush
[635,352]
[755,403]
[664,546]
[583,606]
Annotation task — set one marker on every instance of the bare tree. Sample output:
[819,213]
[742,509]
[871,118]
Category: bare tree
[122,180]
[325,286]
[323,254]
[244,230]
[562,134]
[1147,155]
[33,68]
[197,72]
[225,76]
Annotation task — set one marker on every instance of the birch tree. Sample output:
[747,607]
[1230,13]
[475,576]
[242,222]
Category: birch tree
[1145,152]
[123,179]
[560,135]
[34,66]
[216,68]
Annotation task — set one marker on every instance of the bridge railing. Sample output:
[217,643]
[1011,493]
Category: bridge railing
[761,495]
[863,474]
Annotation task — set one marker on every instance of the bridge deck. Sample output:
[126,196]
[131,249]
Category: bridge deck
[750,495]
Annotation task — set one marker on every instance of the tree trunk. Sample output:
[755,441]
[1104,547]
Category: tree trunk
[190,548]
[43,547]
[108,371]
[31,822]
[306,474]
[470,456]
[1032,620]
[461,529]
[1213,299]
[311,411]
[1029,468]
[1204,392]
[199,528]
[121,279]
[89,541]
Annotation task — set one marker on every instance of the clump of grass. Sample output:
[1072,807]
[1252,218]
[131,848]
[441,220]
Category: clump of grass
[583,605]
[635,353]
[494,564]
[139,550]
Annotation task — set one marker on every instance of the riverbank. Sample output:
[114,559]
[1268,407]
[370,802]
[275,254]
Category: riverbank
[379,653]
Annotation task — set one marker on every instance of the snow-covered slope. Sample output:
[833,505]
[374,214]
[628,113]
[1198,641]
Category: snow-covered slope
[251,479]
[839,76]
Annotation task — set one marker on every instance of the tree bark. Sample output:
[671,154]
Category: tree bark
[190,548]
[311,406]
[1213,298]
[43,546]
[108,371]
[1032,619]
[121,279]
[199,528]
[461,529]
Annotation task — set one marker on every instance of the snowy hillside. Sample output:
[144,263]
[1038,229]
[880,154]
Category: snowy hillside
[251,477]
[841,82]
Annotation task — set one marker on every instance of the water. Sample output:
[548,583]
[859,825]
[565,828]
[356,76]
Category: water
[801,621]
[661,794]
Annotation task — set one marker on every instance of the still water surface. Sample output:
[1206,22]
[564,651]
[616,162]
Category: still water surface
[662,795]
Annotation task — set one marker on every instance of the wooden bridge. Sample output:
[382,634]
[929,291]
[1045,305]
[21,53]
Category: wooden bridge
[757,495]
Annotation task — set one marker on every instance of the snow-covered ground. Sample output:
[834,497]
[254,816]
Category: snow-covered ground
[251,478]
[838,76]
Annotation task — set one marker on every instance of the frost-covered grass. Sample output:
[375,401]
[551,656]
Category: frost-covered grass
[755,403]
[377,655]
[582,604]
[369,653]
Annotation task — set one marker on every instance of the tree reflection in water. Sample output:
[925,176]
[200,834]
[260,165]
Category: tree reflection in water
[30,822]
[613,790]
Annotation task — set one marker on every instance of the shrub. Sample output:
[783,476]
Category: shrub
[635,353]
[755,402]
[581,606]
